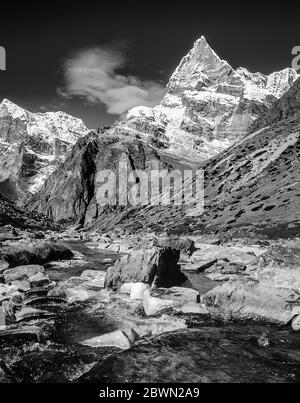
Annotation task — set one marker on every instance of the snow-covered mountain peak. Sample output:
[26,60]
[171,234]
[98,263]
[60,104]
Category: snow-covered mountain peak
[275,84]
[33,144]
[208,105]
[200,68]
[203,70]
[8,107]
[202,49]
[258,79]
[47,126]
[279,82]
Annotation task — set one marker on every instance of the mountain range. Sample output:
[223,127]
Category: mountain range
[242,128]
[208,106]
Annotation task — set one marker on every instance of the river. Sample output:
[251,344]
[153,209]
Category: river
[205,352]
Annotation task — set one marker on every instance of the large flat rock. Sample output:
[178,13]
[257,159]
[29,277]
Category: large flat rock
[147,266]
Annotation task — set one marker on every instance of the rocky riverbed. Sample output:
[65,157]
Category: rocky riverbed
[89,307]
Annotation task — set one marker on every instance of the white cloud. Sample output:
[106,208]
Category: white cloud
[92,74]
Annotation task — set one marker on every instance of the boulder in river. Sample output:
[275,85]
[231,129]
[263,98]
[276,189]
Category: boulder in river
[147,266]
[22,285]
[177,299]
[234,254]
[36,292]
[27,314]
[74,290]
[138,290]
[7,291]
[123,339]
[39,280]
[34,252]
[279,277]
[296,323]
[49,300]
[226,271]
[127,287]
[22,272]
[24,334]
[3,266]
[94,279]
[251,300]
[200,266]
[183,244]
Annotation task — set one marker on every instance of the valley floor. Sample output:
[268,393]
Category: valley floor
[234,319]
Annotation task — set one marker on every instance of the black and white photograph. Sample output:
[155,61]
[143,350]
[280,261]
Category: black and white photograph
[149,196]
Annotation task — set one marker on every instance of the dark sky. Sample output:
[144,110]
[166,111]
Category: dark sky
[39,38]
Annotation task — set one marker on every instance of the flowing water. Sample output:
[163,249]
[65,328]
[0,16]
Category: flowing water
[99,260]
[76,324]
[208,354]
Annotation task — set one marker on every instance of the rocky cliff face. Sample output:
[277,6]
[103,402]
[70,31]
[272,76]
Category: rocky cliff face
[32,145]
[70,192]
[287,107]
[253,186]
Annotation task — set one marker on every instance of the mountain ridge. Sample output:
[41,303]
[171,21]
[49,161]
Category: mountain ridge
[32,145]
